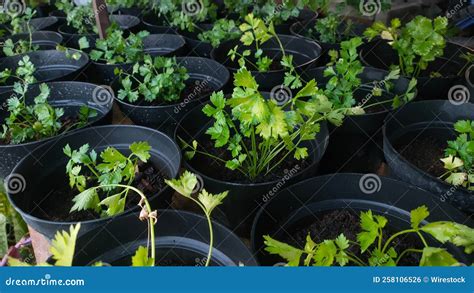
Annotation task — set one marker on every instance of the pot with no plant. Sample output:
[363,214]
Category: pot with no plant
[253,143]
[430,144]
[420,50]
[360,220]
[33,115]
[48,65]
[356,145]
[81,23]
[119,53]
[270,57]
[96,179]
[160,91]
[24,43]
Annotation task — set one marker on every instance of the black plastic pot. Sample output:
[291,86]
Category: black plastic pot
[303,203]
[155,45]
[304,51]
[244,199]
[45,40]
[50,159]
[301,29]
[67,95]
[51,65]
[356,145]
[71,37]
[201,71]
[157,25]
[197,47]
[60,15]
[182,238]
[426,119]
[48,23]
[380,55]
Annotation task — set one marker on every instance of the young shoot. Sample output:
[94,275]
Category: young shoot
[418,43]
[459,160]
[206,201]
[156,78]
[376,250]
[343,72]
[112,168]
[38,120]
[259,133]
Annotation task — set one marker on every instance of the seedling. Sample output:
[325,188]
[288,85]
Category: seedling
[84,169]
[184,14]
[206,201]
[80,17]
[260,133]
[33,122]
[11,48]
[116,49]
[418,43]
[459,160]
[223,29]
[255,33]
[343,72]
[374,249]
[158,77]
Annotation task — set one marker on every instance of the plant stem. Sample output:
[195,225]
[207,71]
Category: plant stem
[407,251]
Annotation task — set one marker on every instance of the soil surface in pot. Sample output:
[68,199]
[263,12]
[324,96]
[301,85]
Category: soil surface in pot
[425,152]
[66,122]
[57,205]
[332,223]
[193,90]
[217,170]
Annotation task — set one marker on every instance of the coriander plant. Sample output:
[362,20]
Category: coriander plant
[343,72]
[259,133]
[222,30]
[156,78]
[85,169]
[31,122]
[459,161]
[80,17]
[418,43]
[11,48]
[116,49]
[255,33]
[376,250]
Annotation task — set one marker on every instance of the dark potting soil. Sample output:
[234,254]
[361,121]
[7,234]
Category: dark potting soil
[57,205]
[424,152]
[332,223]
[193,91]
[216,169]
